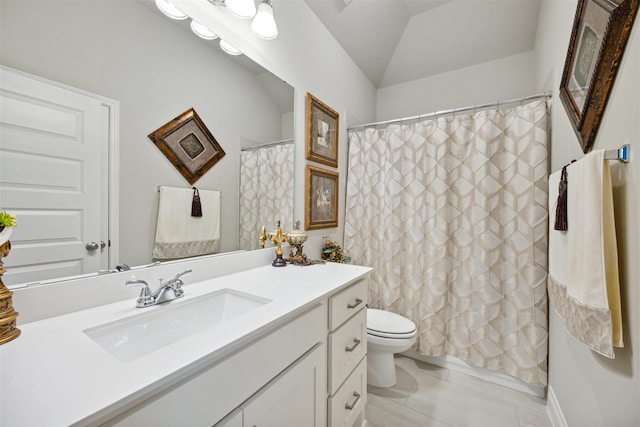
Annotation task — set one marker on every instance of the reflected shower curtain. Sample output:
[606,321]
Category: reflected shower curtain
[266,191]
[452,214]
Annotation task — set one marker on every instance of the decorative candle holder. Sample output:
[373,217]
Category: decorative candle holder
[296,239]
[277,238]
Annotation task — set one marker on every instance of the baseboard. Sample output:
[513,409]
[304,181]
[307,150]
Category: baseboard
[554,411]
[494,377]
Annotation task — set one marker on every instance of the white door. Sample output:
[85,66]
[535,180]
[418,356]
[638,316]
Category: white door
[52,147]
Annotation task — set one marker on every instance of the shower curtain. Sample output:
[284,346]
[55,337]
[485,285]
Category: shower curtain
[452,214]
[266,191]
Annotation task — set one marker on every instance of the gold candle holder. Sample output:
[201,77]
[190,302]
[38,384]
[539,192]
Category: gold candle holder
[8,315]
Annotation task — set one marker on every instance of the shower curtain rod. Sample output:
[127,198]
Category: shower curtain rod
[267,145]
[456,110]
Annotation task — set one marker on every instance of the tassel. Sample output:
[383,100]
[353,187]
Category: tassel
[196,206]
[561,210]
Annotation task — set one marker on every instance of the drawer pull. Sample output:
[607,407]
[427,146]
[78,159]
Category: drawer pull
[355,402]
[353,347]
[358,302]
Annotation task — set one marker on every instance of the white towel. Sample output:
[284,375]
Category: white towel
[583,282]
[178,234]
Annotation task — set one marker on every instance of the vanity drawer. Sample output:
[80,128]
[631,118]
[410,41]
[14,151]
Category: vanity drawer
[346,406]
[347,346]
[347,303]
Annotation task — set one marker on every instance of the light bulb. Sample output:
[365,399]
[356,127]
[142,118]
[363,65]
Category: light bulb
[170,10]
[263,24]
[228,48]
[244,9]
[202,31]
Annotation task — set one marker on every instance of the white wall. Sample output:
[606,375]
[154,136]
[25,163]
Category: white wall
[592,390]
[504,78]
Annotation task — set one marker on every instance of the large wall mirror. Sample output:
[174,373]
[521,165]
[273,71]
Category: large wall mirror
[157,69]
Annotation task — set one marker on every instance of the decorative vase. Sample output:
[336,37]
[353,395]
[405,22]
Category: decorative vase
[5,233]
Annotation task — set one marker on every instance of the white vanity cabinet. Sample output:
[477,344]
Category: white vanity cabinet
[298,359]
[347,345]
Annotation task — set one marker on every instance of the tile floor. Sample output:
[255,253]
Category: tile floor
[429,396]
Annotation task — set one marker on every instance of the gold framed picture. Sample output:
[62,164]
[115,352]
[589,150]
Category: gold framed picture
[600,31]
[188,145]
[321,198]
[322,132]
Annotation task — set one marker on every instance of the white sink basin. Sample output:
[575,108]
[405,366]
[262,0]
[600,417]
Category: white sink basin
[135,336]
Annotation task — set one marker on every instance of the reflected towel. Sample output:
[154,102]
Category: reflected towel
[178,234]
[583,282]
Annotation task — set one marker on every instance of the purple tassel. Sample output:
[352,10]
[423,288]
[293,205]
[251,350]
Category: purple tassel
[561,210]
[196,206]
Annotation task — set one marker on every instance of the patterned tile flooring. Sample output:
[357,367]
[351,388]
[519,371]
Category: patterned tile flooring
[429,396]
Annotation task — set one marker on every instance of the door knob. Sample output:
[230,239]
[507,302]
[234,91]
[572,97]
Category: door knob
[92,246]
[95,245]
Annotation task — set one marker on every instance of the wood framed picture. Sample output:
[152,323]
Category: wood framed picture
[600,31]
[321,198]
[188,145]
[322,132]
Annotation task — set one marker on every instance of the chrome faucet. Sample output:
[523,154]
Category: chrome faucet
[122,267]
[169,290]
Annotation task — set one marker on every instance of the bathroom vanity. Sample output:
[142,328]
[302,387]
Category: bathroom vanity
[248,344]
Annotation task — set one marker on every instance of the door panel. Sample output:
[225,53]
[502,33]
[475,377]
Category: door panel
[51,143]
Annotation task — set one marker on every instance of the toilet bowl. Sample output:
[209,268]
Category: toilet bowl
[387,333]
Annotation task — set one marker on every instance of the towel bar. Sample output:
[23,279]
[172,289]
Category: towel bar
[621,154]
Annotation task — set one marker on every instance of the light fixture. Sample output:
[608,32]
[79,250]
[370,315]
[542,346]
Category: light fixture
[244,9]
[170,10]
[263,24]
[202,31]
[228,48]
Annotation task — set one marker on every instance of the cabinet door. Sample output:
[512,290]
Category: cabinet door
[295,398]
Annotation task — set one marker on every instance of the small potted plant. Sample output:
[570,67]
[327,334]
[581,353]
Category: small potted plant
[7,222]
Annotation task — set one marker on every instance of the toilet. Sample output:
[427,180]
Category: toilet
[387,333]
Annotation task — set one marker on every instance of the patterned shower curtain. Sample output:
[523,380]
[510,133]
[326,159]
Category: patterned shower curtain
[452,214]
[266,191]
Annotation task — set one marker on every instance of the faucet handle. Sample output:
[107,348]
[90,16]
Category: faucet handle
[183,273]
[145,299]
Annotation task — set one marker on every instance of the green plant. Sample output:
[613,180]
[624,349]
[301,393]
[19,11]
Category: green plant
[7,219]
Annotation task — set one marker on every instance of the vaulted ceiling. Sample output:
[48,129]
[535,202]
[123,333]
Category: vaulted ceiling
[396,41]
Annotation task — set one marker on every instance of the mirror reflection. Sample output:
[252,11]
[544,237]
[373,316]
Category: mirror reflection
[154,69]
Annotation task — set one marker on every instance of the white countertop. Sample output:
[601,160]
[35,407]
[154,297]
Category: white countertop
[54,374]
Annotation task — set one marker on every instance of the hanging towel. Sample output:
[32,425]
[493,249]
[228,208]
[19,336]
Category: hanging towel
[180,235]
[583,280]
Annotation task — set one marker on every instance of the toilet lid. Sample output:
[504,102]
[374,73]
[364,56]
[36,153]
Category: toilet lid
[387,324]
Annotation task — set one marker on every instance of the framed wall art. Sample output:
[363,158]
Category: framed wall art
[322,132]
[188,145]
[600,31]
[321,199]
